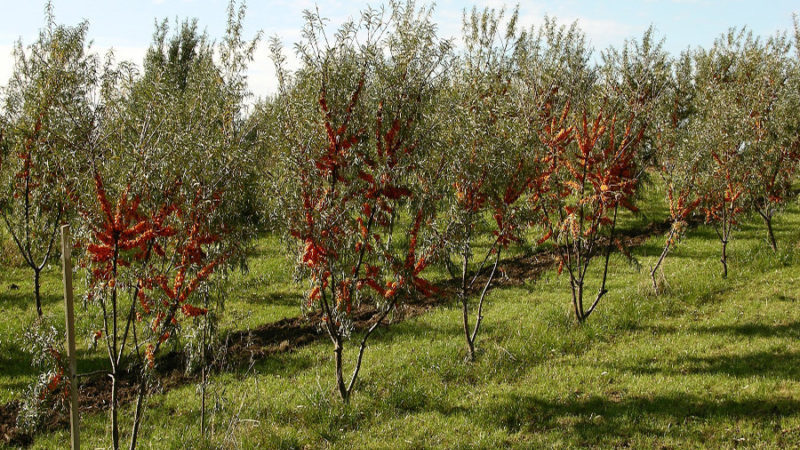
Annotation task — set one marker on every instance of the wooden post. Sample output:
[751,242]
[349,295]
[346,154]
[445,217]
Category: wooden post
[69,310]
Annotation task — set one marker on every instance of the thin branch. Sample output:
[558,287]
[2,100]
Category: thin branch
[480,268]
[603,289]
[17,241]
[363,344]
[479,317]
[52,240]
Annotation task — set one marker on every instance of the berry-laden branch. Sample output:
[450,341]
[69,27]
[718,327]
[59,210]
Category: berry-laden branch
[595,175]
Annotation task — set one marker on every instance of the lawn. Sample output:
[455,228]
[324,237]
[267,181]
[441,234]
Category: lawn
[711,362]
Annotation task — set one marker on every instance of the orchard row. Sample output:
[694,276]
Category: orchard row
[386,150]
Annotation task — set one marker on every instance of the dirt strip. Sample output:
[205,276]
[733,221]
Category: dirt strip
[284,335]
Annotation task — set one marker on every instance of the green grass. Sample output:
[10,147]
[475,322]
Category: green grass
[263,294]
[711,362]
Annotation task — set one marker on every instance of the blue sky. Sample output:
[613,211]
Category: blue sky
[128,25]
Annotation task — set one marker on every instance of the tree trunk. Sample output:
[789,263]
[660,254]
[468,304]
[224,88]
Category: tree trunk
[724,259]
[661,260]
[203,404]
[137,416]
[602,291]
[465,305]
[36,294]
[770,233]
[114,419]
[340,384]
[470,344]
[577,300]
[479,315]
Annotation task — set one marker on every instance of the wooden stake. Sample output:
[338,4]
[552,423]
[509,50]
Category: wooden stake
[69,310]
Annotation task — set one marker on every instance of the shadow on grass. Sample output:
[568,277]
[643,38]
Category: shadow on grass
[23,300]
[286,364]
[15,362]
[779,365]
[598,419]
[415,329]
[790,330]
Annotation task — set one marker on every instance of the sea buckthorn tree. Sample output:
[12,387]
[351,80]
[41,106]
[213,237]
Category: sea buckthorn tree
[677,164]
[595,174]
[730,112]
[46,119]
[591,132]
[169,164]
[356,183]
[489,165]
[634,79]
[775,141]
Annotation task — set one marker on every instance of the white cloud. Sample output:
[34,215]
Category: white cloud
[448,16]
[6,63]
[604,32]
[134,54]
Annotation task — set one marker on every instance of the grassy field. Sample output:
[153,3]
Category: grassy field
[711,362]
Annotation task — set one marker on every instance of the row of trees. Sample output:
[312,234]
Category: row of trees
[388,150]
[150,166]
[726,140]
[523,138]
